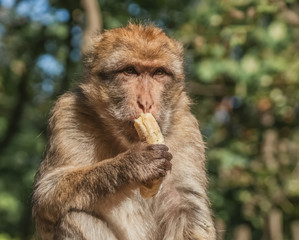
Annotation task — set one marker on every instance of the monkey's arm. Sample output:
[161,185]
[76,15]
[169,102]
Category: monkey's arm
[74,174]
[62,189]
[183,205]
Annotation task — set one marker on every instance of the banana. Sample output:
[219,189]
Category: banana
[148,130]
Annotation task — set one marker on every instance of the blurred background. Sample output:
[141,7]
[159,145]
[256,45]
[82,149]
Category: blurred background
[242,66]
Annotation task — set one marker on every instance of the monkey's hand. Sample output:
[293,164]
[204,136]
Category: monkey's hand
[148,162]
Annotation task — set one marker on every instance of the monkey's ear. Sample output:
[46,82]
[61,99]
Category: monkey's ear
[96,38]
[88,40]
[91,41]
[89,53]
[180,47]
[89,59]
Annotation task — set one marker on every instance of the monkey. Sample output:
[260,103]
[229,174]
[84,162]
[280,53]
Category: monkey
[87,186]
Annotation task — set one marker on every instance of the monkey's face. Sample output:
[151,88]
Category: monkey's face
[136,69]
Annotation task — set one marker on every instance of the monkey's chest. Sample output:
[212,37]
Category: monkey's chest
[131,218]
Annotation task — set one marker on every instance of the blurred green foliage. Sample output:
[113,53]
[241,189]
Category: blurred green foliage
[242,64]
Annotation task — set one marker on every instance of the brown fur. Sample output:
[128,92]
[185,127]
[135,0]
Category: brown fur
[87,187]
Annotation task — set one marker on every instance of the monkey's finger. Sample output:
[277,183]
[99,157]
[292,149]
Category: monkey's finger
[162,147]
[164,164]
[158,154]
[162,155]
[162,173]
[167,165]
[167,155]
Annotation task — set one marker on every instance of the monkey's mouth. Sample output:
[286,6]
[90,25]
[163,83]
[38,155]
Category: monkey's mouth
[124,119]
[129,131]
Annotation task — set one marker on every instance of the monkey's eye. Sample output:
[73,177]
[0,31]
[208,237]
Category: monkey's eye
[130,71]
[160,72]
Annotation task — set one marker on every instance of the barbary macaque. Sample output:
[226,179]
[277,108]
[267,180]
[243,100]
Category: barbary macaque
[87,187]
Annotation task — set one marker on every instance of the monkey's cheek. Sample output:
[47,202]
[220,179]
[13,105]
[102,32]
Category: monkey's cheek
[123,113]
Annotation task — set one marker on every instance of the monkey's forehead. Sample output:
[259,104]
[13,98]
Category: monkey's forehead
[148,42]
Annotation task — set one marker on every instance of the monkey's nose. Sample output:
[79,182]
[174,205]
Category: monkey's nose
[145,104]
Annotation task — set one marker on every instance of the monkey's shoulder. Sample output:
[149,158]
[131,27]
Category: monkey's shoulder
[70,110]
[69,102]
[185,127]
